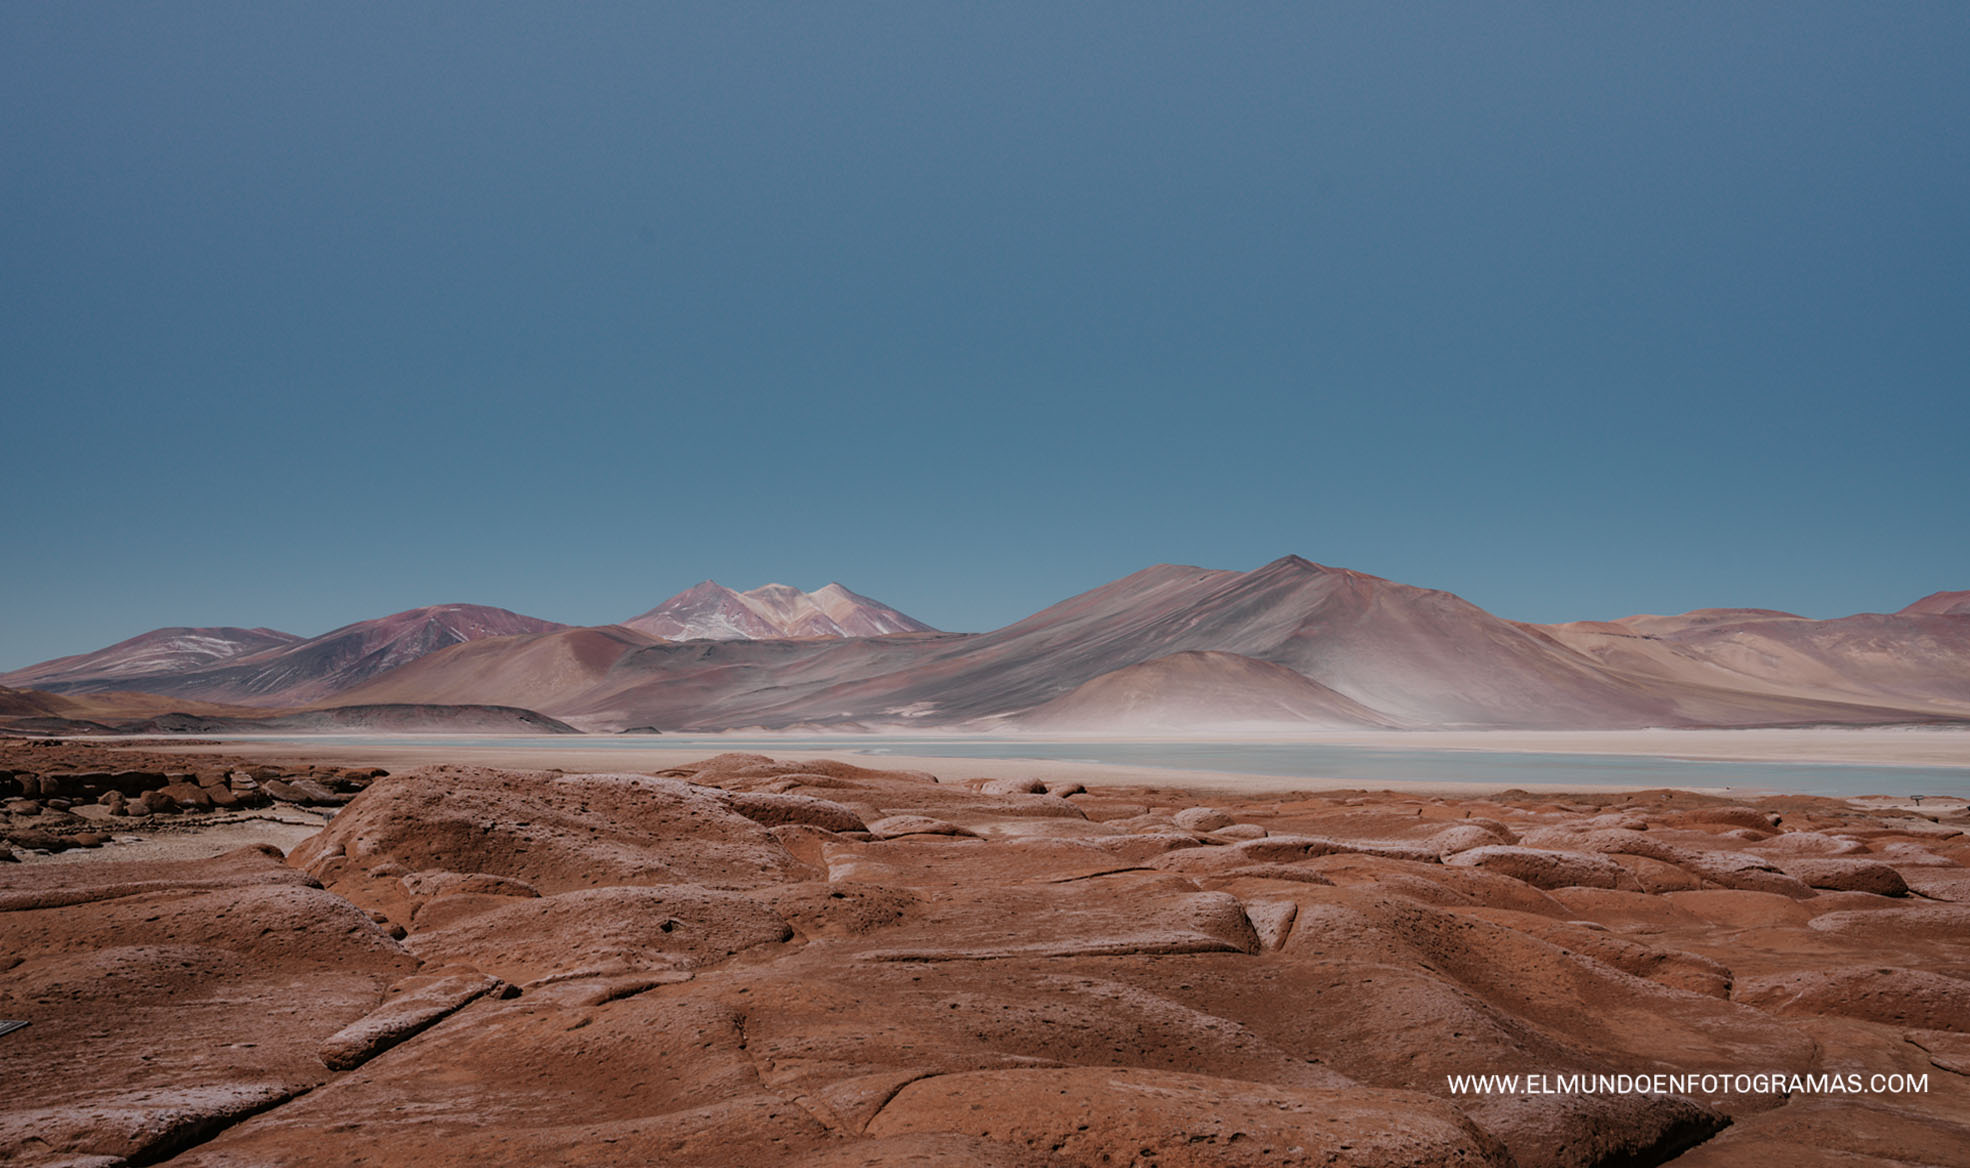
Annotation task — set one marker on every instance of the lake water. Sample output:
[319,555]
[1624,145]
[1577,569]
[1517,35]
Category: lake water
[1319,762]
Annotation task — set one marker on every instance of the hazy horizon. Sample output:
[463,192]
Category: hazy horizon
[313,316]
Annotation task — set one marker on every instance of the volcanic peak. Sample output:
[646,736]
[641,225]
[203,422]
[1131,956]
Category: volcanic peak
[1941,604]
[709,611]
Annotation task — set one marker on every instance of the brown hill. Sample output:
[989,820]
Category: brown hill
[1196,691]
[1701,618]
[1411,655]
[156,656]
[296,672]
[550,670]
[1372,650]
[110,705]
[1940,604]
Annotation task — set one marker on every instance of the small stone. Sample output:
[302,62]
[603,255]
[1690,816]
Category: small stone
[901,825]
[1013,787]
[188,795]
[1202,819]
[155,803]
[40,841]
[1847,874]
[1242,831]
[313,792]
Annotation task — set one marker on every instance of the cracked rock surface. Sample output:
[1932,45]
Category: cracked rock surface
[744,962]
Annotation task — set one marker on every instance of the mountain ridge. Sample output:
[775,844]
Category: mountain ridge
[1293,640]
[709,611]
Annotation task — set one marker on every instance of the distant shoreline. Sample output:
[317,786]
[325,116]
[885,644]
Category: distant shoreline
[1919,748]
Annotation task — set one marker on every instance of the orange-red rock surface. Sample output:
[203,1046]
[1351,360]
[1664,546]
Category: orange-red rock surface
[747,962]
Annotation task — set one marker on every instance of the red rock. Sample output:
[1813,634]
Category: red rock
[419,1005]
[315,793]
[437,884]
[1848,874]
[283,791]
[1584,1131]
[1946,1049]
[815,987]
[929,1150]
[1545,869]
[1727,816]
[35,839]
[1202,819]
[1100,1115]
[220,975]
[1898,997]
[897,826]
[673,927]
[1462,837]
[1014,787]
[776,809]
[188,795]
[1897,925]
[557,832]
[1241,831]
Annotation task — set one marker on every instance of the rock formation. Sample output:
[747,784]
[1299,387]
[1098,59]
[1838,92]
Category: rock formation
[751,962]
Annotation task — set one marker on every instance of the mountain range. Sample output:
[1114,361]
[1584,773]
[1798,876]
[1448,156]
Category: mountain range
[1290,644]
[712,612]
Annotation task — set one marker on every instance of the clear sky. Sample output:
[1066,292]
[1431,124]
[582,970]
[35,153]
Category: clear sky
[311,313]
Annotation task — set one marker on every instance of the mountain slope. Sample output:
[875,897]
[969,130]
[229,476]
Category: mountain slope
[1940,604]
[1198,690]
[1702,618]
[158,653]
[1411,654]
[1294,639]
[551,671]
[299,672]
[712,612]
[1367,649]
[1898,658]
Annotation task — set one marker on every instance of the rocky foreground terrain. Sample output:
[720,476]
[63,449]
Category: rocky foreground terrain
[750,962]
[57,795]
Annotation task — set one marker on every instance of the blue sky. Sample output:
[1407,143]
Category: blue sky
[313,313]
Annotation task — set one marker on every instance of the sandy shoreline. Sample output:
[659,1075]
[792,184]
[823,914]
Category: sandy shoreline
[1879,747]
[167,841]
[1898,746]
[1945,746]
[946,768]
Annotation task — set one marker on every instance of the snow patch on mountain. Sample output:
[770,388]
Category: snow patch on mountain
[712,612]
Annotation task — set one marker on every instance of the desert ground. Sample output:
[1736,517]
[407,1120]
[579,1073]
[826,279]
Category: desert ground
[251,955]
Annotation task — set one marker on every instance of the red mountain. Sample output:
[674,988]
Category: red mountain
[1940,604]
[1406,655]
[1293,642]
[158,653]
[1197,690]
[296,672]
